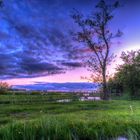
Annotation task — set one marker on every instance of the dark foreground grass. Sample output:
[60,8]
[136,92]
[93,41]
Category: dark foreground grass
[45,120]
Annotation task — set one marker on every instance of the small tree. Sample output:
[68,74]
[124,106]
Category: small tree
[4,87]
[96,34]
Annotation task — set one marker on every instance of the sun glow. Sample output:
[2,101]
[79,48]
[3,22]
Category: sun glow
[133,47]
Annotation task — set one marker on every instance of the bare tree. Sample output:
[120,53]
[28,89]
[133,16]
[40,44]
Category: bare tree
[96,35]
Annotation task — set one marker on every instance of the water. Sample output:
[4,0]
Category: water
[90,98]
[64,100]
[81,99]
[121,138]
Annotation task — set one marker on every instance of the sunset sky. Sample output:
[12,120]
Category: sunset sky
[35,40]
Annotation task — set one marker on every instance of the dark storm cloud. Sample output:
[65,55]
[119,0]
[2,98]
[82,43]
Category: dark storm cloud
[72,64]
[31,65]
[12,67]
[8,64]
[35,37]
[3,35]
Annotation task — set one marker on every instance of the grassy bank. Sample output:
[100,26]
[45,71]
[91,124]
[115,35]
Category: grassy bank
[38,118]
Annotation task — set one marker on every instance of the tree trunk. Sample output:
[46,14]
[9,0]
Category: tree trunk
[105,88]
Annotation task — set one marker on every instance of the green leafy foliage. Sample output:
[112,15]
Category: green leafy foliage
[128,74]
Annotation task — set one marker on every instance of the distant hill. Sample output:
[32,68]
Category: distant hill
[59,86]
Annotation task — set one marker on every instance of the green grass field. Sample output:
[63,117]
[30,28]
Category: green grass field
[40,117]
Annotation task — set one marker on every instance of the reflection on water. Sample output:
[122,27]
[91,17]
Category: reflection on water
[80,99]
[64,100]
[90,98]
[121,138]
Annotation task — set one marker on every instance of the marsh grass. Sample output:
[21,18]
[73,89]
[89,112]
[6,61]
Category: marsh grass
[38,118]
[63,127]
